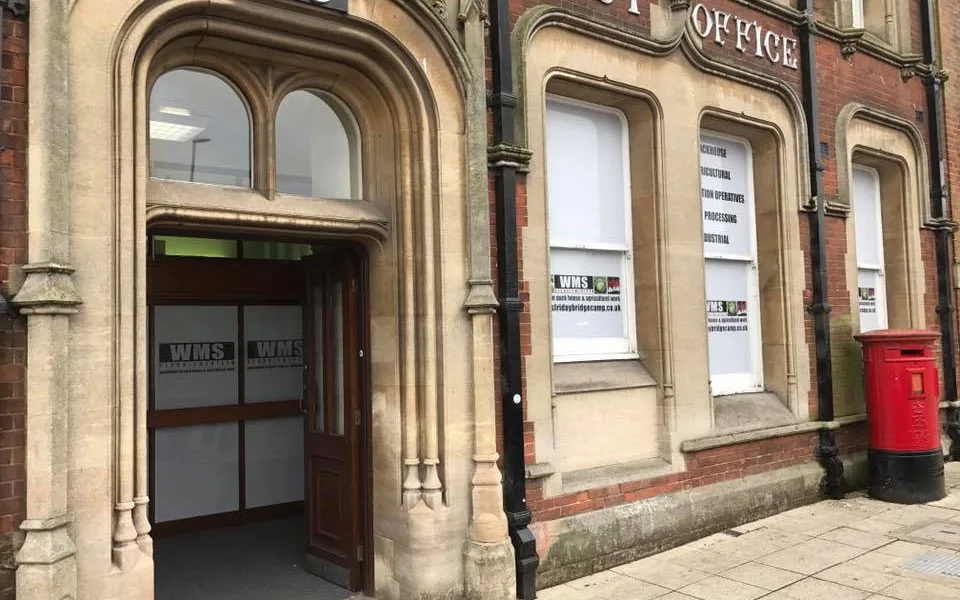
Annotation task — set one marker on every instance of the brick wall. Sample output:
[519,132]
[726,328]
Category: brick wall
[13,337]
[949,20]
[703,468]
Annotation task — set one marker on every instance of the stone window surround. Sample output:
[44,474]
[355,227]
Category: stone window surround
[627,295]
[895,148]
[262,95]
[566,75]
[884,21]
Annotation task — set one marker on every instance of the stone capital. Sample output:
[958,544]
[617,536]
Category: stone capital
[481,298]
[47,541]
[47,289]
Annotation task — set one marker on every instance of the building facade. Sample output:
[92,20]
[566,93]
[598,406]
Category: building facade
[487,295]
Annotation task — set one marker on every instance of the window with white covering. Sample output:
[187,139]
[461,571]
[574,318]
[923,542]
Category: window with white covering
[588,193]
[730,264]
[868,228]
[857,10]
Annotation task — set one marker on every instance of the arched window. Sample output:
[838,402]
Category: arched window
[318,148]
[199,130]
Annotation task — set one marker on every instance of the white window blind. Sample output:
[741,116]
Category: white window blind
[588,193]
[857,14]
[868,228]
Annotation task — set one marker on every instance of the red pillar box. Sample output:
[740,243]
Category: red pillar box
[903,412]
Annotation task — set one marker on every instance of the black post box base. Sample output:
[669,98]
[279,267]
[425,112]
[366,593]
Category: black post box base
[906,477]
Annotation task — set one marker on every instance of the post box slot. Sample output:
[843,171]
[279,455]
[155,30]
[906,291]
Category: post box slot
[911,352]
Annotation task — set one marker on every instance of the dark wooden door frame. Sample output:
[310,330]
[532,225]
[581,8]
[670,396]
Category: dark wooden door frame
[341,548]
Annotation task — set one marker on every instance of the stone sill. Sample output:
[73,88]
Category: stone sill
[767,433]
[540,470]
[574,378]
[599,477]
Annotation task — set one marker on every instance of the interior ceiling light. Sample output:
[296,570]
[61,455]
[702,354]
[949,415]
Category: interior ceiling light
[173,132]
[174,110]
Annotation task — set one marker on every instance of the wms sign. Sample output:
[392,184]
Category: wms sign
[197,357]
[274,354]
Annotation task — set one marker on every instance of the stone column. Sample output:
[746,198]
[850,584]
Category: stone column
[489,572]
[47,562]
[47,565]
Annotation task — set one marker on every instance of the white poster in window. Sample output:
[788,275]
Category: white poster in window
[195,356]
[729,246]
[273,365]
[197,471]
[871,299]
[586,299]
[274,461]
[729,316]
[725,186]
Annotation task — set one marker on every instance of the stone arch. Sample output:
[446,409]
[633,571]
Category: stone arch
[95,201]
[381,75]
[895,148]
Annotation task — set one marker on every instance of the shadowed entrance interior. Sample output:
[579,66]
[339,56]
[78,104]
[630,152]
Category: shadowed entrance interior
[254,418]
[245,562]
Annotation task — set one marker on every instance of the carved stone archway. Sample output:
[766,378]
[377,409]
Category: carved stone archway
[416,92]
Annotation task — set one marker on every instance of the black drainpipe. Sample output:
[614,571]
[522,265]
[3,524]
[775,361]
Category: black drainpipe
[833,482]
[503,102]
[933,82]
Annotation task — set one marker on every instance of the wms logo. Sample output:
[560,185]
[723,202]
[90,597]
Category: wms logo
[197,357]
[274,354]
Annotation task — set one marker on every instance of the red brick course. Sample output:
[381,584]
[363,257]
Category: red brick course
[13,251]
[703,468]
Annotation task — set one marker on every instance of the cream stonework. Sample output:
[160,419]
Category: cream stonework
[437,508]
[666,111]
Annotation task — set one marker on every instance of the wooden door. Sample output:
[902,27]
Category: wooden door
[331,442]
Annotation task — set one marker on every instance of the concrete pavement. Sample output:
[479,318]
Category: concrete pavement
[852,549]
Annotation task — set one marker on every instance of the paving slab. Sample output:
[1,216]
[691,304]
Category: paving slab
[876,524]
[861,578]
[904,549]
[721,588]
[614,586]
[943,534]
[878,561]
[710,561]
[763,576]
[812,556]
[914,589]
[662,573]
[817,589]
[857,538]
